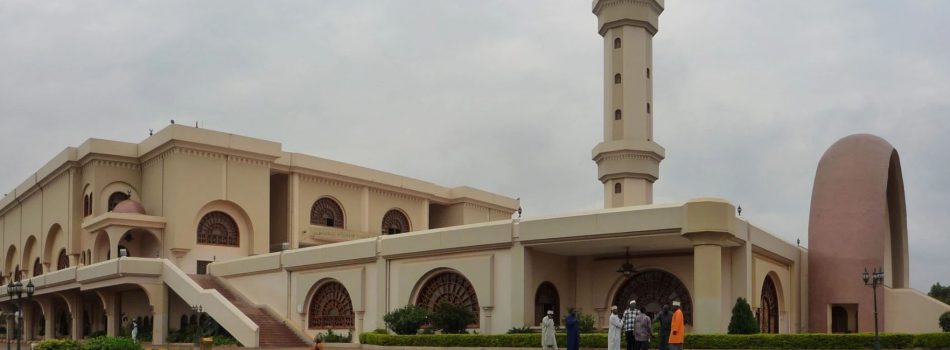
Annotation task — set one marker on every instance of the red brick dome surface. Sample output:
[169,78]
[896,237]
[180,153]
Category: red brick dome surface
[129,206]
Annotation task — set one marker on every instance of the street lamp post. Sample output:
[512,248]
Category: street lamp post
[16,290]
[873,280]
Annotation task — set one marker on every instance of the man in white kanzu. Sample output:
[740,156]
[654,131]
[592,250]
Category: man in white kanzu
[613,333]
[548,341]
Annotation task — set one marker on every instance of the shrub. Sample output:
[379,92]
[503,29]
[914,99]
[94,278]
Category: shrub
[111,343]
[451,318]
[406,320]
[520,330]
[331,337]
[742,321]
[585,322]
[932,341]
[59,344]
[945,321]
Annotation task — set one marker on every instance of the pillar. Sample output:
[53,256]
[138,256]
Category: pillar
[382,291]
[358,325]
[158,302]
[486,320]
[74,302]
[516,287]
[110,308]
[708,223]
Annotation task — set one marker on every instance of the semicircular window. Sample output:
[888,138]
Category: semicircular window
[218,228]
[326,212]
[652,289]
[449,287]
[395,222]
[330,308]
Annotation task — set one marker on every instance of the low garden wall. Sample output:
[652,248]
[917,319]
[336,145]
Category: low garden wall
[693,341]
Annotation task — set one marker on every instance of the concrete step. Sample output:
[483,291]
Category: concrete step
[273,333]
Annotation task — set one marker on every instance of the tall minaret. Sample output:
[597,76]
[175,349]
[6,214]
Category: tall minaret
[628,161]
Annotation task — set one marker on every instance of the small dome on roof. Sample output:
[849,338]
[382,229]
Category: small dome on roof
[129,206]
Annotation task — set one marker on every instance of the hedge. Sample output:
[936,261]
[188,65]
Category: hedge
[693,341]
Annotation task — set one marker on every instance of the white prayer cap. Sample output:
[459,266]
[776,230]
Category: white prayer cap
[613,307]
[633,302]
[676,303]
[550,312]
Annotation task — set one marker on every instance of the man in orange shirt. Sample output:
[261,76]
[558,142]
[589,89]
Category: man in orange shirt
[677,329]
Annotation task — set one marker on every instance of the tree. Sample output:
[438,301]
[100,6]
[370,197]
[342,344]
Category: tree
[451,318]
[406,320]
[742,321]
[945,321]
[941,293]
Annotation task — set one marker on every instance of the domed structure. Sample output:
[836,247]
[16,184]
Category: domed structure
[857,222]
[129,206]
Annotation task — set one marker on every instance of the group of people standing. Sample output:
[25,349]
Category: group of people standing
[635,325]
[637,328]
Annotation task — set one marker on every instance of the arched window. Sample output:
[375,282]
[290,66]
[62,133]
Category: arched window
[648,108]
[395,222]
[617,78]
[326,212]
[330,308]
[86,204]
[546,299]
[768,307]
[617,43]
[218,228]
[63,261]
[449,287]
[37,267]
[116,198]
[17,274]
[648,73]
[652,289]
[618,115]
[618,188]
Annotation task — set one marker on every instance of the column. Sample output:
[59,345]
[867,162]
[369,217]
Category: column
[109,307]
[358,326]
[158,302]
[516,287]
[486,320]
[49,319]
[707,280]
[74,302]
[382,291]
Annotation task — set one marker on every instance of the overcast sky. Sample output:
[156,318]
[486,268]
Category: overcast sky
[504,96]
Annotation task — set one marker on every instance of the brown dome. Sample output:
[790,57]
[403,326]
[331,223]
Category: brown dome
[129,206]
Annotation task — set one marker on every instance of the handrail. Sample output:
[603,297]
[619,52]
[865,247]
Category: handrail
[212,302]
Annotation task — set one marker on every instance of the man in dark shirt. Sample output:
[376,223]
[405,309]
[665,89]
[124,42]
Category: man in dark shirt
[664,317]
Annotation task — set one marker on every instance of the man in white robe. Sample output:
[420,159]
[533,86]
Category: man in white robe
[613,333]
[548,340]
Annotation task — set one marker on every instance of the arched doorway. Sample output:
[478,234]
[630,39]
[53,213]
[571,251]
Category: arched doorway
[330,308]
[449,287]
[546,298]
[140,243]
[768,307]
[652,289]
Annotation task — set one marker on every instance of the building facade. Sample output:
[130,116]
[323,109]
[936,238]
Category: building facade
[279,246]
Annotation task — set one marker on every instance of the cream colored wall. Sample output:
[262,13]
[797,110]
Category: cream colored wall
[268,288]
[349,196]
[199,182]
[445,216]
[380,202]
[557,269]
[781,276]
[910,311]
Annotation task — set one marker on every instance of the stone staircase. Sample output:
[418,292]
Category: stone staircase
[273,332]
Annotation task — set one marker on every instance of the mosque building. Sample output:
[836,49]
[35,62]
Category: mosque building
[278,246]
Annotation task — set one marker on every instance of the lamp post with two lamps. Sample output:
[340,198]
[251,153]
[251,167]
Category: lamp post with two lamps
[874,279]
[16,290]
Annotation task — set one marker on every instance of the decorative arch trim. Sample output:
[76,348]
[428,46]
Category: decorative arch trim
[329,306]
[447,286]
[395,221]
[652,287]
[327,211]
